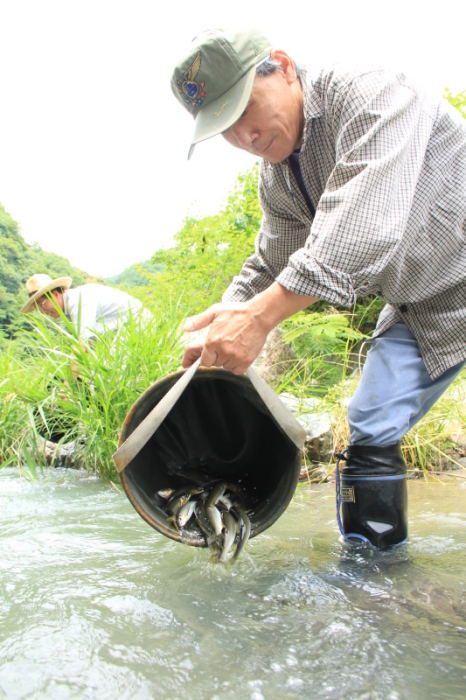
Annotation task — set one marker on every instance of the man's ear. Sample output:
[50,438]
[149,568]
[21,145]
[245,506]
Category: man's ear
[286,63]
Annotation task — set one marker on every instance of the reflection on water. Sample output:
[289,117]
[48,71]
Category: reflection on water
[96,604]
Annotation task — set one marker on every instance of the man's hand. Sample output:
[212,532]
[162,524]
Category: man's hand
[193,350]
[238,331]
[235,338]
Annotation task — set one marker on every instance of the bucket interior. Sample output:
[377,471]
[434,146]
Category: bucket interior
[219,429]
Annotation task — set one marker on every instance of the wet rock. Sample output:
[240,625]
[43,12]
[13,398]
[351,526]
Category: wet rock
[315,473]
[60,454]
[458,438]
[456,425]
[275,358]
[319,443]
[451,459]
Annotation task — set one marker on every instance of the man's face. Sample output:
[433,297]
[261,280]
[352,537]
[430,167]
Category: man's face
[272,124]
[47,304]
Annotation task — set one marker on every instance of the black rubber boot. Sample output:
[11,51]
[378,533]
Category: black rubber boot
[373,495]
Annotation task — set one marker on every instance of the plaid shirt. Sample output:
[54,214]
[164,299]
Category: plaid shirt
[385,168]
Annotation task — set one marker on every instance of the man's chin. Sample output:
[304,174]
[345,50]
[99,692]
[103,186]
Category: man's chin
[276,159]
[271,155]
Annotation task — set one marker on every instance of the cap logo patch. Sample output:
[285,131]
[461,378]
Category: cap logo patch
[194,91]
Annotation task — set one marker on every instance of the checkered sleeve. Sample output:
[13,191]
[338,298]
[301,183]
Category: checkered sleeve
[380,134]
[256,274]
[280,235]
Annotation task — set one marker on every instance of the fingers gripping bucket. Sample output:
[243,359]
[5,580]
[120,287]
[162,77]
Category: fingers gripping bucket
[220,428]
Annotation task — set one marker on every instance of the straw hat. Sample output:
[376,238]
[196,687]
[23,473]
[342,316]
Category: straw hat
[38,285]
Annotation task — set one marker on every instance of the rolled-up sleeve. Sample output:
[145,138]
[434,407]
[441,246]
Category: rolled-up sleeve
[282,232]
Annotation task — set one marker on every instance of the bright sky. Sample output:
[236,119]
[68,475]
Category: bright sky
[93,146]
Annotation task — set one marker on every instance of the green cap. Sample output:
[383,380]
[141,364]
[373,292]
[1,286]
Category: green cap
[213,81]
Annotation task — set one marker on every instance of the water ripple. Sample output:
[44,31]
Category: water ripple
[94,603]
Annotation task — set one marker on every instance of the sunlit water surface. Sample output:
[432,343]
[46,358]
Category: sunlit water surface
[96,604]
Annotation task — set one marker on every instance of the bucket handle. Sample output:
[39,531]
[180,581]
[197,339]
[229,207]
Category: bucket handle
[277,408]
[142,434]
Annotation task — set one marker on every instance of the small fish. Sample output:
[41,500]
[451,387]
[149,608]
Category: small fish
[180,497]
[231,528]
[215,519]
[175,503]
[234,488]
[225,501]
[217,492]
[185,513]
[244,528]
[172,520]
[165,493]
[203,521]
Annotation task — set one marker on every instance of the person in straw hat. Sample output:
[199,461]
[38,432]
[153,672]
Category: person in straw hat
[363,189]
[95,307]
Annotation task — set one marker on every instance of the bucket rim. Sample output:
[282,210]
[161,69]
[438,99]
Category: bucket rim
[140,503]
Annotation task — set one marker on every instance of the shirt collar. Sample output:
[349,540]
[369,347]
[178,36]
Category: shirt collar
[312,106]
[65,303]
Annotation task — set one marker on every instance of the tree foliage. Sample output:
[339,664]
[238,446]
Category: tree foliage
[209,251]
[138,275]
[458,101]
[18,261]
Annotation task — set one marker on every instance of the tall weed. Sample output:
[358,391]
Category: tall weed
[68,390]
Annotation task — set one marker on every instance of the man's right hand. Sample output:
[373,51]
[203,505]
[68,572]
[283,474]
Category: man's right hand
[236,335]
[238,331]
[193,351]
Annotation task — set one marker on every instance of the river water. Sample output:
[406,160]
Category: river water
[96,604]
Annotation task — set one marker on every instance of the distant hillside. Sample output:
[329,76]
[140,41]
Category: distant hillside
[18,261]
[137,275]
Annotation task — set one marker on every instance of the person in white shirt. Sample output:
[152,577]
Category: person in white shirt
[93,308]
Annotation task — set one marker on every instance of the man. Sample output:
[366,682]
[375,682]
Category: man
[363,191]
[93,308]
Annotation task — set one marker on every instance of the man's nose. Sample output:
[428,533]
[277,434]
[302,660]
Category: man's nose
[244,135]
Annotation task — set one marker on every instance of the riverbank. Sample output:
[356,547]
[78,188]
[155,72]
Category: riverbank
[38,400]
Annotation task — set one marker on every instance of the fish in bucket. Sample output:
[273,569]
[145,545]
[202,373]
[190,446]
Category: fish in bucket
[209,458]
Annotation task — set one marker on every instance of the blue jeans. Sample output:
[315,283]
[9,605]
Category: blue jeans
[395,390]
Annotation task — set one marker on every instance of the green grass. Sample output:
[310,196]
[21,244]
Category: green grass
[432,444]
[328,347]
[40,397]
